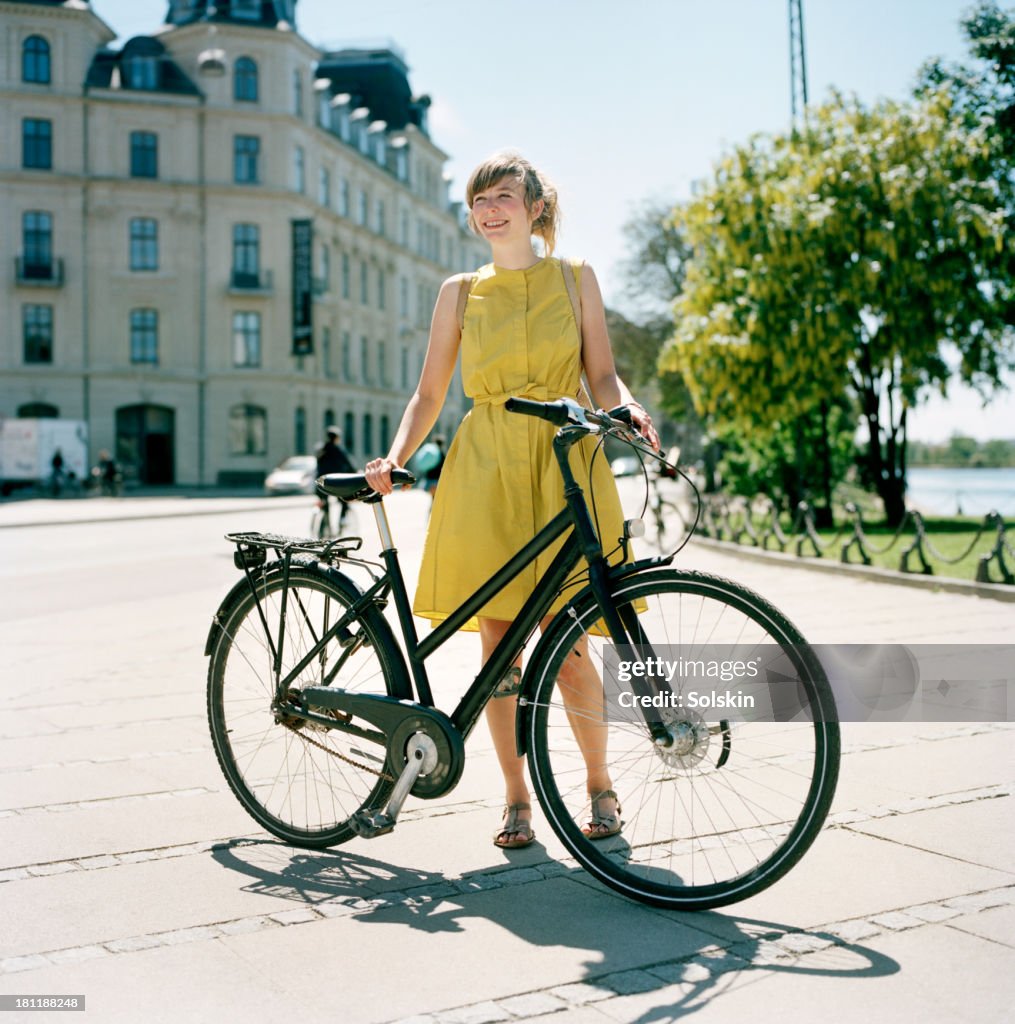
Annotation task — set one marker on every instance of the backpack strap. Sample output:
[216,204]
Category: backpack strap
[464,288]
[571,279]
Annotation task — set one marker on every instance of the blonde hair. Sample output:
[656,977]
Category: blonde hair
[509,164]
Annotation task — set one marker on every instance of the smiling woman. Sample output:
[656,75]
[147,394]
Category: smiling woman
[522,334]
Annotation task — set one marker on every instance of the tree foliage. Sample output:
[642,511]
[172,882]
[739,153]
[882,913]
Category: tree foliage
[835,263]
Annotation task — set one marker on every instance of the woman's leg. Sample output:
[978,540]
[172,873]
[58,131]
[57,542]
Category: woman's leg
[582,692]
[500,716]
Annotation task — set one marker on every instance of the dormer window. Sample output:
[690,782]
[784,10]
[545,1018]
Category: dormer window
[245,80]
[35,63]
[250,9]
[142,72]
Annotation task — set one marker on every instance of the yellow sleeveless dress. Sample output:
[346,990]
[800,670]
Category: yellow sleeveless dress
[500,483]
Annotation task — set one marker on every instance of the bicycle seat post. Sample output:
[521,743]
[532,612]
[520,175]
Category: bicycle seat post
[383,529]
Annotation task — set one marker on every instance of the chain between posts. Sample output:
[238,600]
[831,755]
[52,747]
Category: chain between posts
[757,522]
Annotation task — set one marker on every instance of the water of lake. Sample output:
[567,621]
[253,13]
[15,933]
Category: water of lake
[970,492]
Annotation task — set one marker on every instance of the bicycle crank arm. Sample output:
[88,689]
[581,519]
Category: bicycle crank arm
[422,758]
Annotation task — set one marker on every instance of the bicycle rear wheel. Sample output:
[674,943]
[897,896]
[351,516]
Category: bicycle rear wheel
[299,780]
[728,813]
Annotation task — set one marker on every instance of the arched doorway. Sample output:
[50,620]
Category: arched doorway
[38,410]
[144,443]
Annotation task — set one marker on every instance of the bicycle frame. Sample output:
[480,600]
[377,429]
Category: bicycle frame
[581,543]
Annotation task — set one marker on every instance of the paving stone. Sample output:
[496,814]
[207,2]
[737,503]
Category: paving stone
[16,964]
[244,926]
[897,921]
[581,992]
[303,915]
[853,931]
[77,955]
[478,1013]
[933,912]
[628,982]
[182,935]
[134,943]
[531,1005]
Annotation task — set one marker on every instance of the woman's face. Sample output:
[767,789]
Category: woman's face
[499,212]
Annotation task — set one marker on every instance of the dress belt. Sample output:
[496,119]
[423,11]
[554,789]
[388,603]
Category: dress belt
[534,392]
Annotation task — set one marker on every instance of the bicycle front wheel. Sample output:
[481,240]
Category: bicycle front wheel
[299,780]
[720,816]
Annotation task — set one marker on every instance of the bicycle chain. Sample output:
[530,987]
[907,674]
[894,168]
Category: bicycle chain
[348,760]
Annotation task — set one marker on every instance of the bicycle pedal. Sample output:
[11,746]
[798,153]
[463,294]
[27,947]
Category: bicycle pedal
[369,825]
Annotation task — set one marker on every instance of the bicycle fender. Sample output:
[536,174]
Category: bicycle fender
[349,587]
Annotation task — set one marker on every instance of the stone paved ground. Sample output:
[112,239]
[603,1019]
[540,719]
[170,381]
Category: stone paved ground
[128,872]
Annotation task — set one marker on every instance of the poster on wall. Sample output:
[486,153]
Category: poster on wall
[303,285]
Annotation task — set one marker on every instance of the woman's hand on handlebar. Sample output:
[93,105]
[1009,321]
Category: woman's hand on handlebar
[378,474]
[642,422]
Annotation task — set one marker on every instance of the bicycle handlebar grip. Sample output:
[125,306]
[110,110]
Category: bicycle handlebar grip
[402,478]
[552,411]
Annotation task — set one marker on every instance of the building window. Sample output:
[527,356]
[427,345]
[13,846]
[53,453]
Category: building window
[381,219]
[246,155]
[349,432]
[403,296]
[329,419]
[300,430]
[324,266]
[364,360]
[297,94]
[346,275]
[245,80]
[144,243]
[324,187]
[142,72]
[246,255]
[364,207]
[37,240]
[382,288]
[405,368]
[299,170]
[37,143]
[144,155]
[326,360]
[248,430]
[368,434]
[247,339]
[385,433]
[364,283]
[35,65]
[144,336]
[346,355]
[343,198]
[382,367]
[37,331]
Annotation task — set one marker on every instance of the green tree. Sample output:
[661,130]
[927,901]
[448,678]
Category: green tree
[834,264]
[653,274]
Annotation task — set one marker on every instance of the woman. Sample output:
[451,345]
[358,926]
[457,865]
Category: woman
[500,483]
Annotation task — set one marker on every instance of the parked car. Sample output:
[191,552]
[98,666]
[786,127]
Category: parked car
[295,476]
[625,465]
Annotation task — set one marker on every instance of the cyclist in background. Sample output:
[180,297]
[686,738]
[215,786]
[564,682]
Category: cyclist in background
[333,458]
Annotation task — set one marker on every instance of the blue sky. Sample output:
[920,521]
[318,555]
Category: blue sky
[624,102]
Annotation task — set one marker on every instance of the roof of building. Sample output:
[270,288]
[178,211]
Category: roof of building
[267,13]
[377,79]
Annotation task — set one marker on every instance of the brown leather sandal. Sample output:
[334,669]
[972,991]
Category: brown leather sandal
[514,826]
[602,824]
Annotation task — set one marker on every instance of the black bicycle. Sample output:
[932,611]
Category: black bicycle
[323,724]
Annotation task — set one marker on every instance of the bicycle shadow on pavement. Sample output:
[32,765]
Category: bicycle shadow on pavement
[549,905]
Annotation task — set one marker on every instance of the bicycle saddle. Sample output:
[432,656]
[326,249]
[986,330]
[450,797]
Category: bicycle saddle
[354,486]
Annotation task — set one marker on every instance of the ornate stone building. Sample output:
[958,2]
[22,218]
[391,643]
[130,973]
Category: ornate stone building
[219,239]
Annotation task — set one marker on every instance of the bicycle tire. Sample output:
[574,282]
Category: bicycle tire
[698,833]
[291,787]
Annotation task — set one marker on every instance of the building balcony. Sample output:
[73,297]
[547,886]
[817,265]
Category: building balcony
[38,274]
[247,282]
